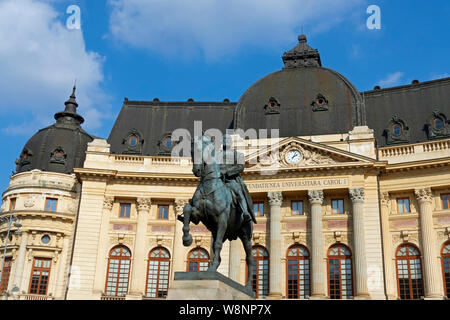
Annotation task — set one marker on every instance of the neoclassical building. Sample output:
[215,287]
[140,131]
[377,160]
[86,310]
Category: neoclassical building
[351,191]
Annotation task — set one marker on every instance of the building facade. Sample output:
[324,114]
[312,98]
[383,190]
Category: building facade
[351,191]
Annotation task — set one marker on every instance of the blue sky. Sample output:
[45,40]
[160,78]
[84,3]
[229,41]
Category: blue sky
[207,50]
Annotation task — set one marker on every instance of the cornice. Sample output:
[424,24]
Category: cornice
[415,165]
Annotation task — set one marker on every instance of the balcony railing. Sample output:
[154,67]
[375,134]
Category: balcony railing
[112,298]
[35,297]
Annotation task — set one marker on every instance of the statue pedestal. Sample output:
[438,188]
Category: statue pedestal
[206,286]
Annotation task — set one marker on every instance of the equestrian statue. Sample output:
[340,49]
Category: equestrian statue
[221,201]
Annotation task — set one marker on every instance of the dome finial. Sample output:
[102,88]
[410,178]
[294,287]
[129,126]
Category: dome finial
[74,89]
[302,38]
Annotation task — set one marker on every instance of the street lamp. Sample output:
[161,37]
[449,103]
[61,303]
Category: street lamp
[12,218]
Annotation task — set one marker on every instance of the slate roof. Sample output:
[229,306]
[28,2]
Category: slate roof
[153,120]
[414,104]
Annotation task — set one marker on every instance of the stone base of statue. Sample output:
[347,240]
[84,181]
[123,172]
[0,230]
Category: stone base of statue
[206,286]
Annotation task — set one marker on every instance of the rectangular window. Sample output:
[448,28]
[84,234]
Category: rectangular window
[445,201]
[40,275]
[5,275]
[125,209]
[297,208]
[50,204]
[337,206]
[403,205]
[258,209]
[12,204]
[163,212]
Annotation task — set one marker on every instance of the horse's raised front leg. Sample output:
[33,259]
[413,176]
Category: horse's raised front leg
[218,242]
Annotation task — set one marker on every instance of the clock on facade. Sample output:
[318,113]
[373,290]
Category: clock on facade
[293,156]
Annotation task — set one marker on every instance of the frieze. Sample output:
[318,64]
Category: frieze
[298,184]
[123,227]
[337,224]
[162,229]
[443,220]
[260,227]
[199,229]
[404,223]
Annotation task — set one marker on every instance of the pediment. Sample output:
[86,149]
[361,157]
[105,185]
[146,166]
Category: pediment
[299,153]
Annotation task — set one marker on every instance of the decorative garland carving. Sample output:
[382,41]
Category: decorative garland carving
[108,203]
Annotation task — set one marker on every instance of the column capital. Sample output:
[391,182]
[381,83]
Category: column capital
[180,204]
[108,203]
[315,196]
[144,204]
[275,198]
[357,195]
[423,195]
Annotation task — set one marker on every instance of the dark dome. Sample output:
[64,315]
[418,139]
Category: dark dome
[302,99]
[59,147]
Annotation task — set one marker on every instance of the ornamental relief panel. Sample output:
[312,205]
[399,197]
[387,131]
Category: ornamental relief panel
[121,239]
[443,236]
[259,238]
[338,237]
[159,241]
[400,238]
[293,238]
[296,154]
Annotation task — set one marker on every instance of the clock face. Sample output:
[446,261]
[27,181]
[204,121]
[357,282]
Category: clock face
[293,156]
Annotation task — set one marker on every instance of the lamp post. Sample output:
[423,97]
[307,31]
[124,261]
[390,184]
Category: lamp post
[12,218]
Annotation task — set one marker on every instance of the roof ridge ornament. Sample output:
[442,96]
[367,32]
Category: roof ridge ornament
[70,112]
[302,55]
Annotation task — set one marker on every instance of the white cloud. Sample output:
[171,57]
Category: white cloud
[440,76]
[217,28]
[39,60]
[391,79]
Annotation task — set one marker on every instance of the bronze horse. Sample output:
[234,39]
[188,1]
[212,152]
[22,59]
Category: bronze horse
[212,204]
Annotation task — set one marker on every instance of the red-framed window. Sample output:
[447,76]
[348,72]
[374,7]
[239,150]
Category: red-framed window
[258,209]
[298,273]
[340,275]
[446,268]
[438,123]
[445,198]
[51,204]
[12,204]
[133,141]
[260,271]
[118,272]
[409,272]
[5,274]
[397,129]
[198,260]
[40,275]
[403,205]
[163,212]
[337,206]
[158,273]
[297,208]
[125,210]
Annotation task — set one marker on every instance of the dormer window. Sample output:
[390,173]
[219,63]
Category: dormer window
[397,129]
[320,103]
[168,142]
[133,141]
[272,106]
[438,123]
[58,156]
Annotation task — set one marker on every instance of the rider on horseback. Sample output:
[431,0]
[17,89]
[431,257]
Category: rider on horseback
[230,168]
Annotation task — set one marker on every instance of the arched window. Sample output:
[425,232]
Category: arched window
[198,260]
[409,272]
[438,123]
[340,278]
[133,141]
[446,268]
[118,272]
[298,275]
[158,273]
[260,271]
[397,129]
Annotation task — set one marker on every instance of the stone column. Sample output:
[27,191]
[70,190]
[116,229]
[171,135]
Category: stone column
[138,277]
[20,262]
[275,201]
[359,240]
[432,273]
[60,285]
[317,260]
[390,276]
[101,263]
[234,262]
[178,256]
